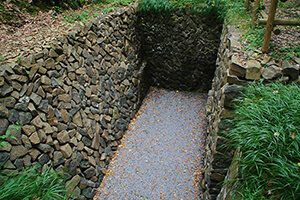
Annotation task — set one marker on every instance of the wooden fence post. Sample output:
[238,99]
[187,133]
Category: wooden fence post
[269,26]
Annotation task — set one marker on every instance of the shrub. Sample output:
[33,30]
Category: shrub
[266,128]
[32,184]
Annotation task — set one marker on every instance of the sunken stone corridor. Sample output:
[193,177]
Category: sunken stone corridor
[69,106]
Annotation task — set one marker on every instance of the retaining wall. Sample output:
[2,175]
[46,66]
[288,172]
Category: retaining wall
[69,105]
[235,68]
[180,48]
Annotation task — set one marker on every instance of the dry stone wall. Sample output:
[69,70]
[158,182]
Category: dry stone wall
[233,71]
[180,48]
[69,105]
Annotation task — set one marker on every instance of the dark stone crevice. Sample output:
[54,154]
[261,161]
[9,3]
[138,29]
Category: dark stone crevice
[180,49]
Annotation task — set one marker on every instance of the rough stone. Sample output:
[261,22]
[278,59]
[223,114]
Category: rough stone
[17,152]
[77,119]
[49,63]
[3,125]
[26,142]
[5,90]
[19,163]
[8,102]
[89,172]
[86,141]
[96,141]
[236,68]
[44,158]
[45,148]
[64,97]
[20,78]
[13,116]
[58,158]
[71,184]
[47,128]
[37,122]
[292,71]
[27,160]
[25,117]
[66,150]
[271,72]
[4,157]
[28,129]
[34,138]
[80,146]
[15,131]
[43,106]
[34,153]
[21,107]
[63,137]
[253,71]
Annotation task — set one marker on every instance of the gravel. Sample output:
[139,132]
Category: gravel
[161,153]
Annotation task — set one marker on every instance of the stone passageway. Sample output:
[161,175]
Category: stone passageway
[160,155]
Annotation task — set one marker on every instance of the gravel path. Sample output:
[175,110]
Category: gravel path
[160,155]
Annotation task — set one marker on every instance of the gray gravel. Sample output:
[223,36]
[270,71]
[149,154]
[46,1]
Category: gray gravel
[160,155]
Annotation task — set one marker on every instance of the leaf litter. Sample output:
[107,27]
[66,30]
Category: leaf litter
[160,156]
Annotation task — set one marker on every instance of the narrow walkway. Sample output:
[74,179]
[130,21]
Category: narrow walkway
[160,156]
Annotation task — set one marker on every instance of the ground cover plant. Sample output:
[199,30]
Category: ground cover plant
[217,8]
[32,183]
[266,128]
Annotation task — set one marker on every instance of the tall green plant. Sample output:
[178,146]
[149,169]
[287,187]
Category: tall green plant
[267,129]
[32,184]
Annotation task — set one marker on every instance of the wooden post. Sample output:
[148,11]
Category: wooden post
[247,5]
[269,26]
[283,22]
[255,12]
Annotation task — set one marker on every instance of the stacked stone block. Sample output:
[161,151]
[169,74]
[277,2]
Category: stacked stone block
[69,105]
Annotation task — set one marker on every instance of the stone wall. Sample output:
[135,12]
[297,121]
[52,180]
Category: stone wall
[235,68]
[69,105]
[180,49]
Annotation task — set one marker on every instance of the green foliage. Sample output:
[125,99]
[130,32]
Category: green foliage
[287,52]
[266,128]
[217,8]
[254,37]
[156,6]
[100,5]
[83,16]
[32,184]
[8,132]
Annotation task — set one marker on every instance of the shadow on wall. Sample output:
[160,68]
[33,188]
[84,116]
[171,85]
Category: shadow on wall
[180,49]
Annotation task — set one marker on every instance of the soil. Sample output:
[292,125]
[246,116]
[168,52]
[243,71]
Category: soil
[160,156]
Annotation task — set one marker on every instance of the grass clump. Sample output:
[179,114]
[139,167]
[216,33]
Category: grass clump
[266,128]
[217,8]
[32,183]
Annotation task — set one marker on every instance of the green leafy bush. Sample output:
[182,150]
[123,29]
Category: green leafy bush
[267,129]
[32,184]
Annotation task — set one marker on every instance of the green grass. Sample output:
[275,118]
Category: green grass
[105,6]
[32,184]
[217,8]
[267,129]
[254,36]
